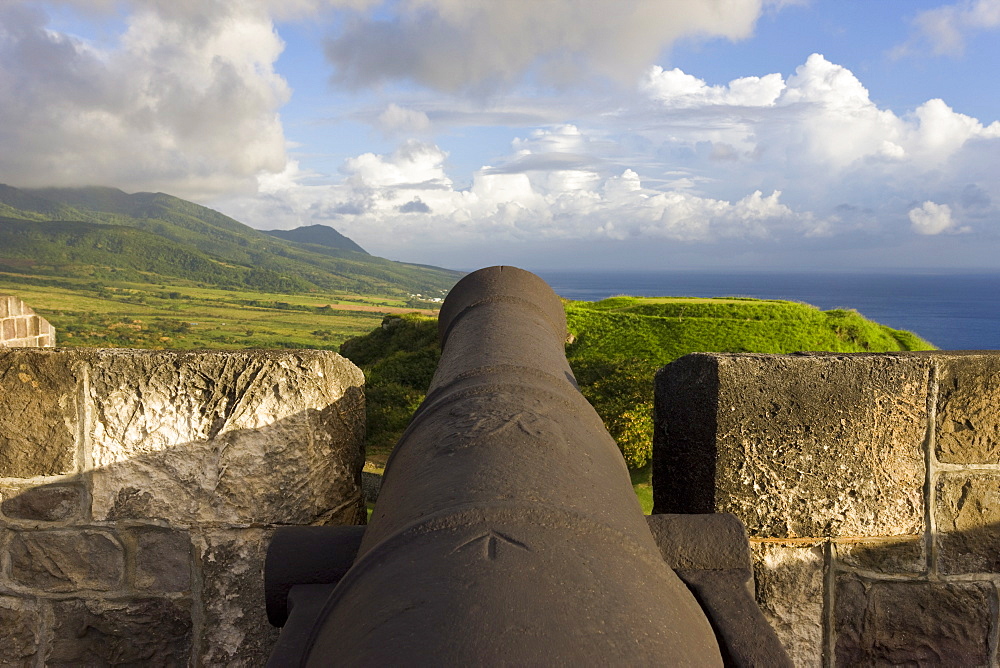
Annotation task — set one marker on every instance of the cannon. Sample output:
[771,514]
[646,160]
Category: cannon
[506,531]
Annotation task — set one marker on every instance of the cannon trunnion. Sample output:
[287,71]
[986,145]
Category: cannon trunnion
[506,529]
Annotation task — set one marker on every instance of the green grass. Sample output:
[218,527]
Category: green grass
[617,346]
[138,315]
[619,343]
[642,483]
[661,330]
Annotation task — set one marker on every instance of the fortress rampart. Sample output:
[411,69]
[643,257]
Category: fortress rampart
[22,327]
[870,488]
[140,490]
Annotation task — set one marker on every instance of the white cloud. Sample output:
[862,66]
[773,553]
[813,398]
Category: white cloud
[940,131]
[190,10]
[946,28]
[931,218]
[455,44]
[404,202]
[833,162]
[187,100]
[399,120]
[414,165]
[821,118]
[676,89]
[185,105]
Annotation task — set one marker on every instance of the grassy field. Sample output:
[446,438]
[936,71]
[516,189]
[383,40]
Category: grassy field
[141,315]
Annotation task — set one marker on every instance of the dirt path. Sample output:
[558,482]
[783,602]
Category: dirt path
[367,308]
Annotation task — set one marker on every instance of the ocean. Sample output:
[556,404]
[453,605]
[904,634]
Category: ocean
[952,311]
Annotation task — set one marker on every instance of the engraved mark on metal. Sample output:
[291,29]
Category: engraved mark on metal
[491,425]
[489,541]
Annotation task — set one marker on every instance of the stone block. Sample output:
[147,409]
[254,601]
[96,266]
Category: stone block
[45,503]
[235,629]
[9,328]
[968,408]
[5,305]
[912,623]
[143,631]
[805,445]
[32,325]
[39,418]
[163,559]
[903,554]
[66,560]
[789,588]
[21,327]
[236,437]
[967,513]
[20,626]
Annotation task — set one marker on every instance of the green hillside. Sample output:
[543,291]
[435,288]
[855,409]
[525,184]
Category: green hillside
[95,232]
[319,235]
[616,345]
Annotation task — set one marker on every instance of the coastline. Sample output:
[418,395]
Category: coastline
[954,311]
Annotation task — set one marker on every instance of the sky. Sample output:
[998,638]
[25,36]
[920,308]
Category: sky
[550,134]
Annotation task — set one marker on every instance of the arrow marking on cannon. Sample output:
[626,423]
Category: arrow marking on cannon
[489,541]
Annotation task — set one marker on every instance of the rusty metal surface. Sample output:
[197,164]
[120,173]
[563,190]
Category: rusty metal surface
[506,530]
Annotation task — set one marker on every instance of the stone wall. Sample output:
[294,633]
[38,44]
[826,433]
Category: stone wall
[869,485]
[139,491]
[22,327]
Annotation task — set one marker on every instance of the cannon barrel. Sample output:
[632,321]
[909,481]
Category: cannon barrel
[506,530]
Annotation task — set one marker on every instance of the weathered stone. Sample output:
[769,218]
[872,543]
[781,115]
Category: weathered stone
[38,423]
[371,483]
[227,436]
[912,623]
[789,585]
[810,445]
[45,503]
[968,419]
[235,630]
[163,559]
[905,554]
[145,631]
[66,560]
[20,624]
[22,327]
[967,513]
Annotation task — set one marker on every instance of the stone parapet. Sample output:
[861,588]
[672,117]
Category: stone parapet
[869,484]
[21,327]
[139,489]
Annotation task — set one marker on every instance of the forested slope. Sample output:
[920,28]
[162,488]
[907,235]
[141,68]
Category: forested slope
[91,232]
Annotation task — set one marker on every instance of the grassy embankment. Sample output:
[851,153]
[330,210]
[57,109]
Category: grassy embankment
[616,346]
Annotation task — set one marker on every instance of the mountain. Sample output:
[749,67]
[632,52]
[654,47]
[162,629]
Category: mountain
[155,237]
[319,235]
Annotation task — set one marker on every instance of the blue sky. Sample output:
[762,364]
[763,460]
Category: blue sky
[609,134]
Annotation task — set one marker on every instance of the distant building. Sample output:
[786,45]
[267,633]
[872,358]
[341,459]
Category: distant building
[20,327]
